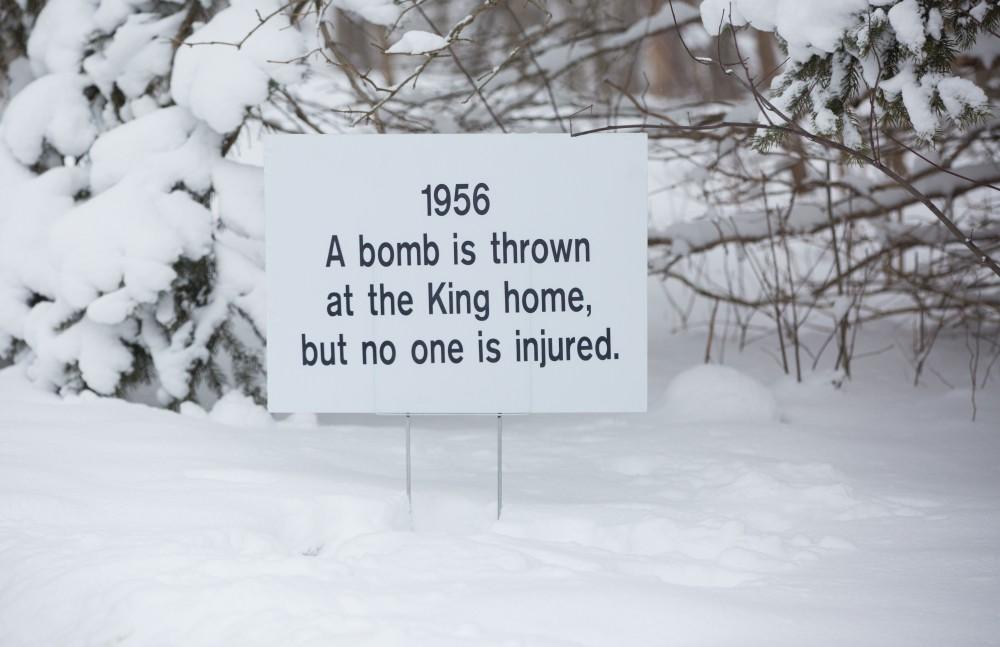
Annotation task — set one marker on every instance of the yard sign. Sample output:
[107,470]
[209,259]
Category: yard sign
[456,273]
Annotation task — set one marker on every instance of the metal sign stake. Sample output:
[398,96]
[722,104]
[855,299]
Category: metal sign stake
[499,464]
[409,493]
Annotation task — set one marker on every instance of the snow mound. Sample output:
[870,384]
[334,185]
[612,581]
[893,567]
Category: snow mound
[710,393]
[238,410]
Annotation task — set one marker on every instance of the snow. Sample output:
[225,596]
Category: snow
[418,42]
[127,237]
[807,27]
[935,23]
[118,152]
[140,52]
[917,100]
[908,24]
[32,206]
[979,11]
[958,94]
[710,393]
[59,36]
[240,188]
[50,110]
[98,352]
[868,515]
[237,410]
[380,12]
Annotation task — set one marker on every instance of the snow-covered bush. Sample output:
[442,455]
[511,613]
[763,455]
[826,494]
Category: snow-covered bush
[712,393]
[842,53]
[130,235]
[130,240]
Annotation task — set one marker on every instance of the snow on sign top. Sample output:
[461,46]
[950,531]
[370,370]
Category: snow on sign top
[456,273]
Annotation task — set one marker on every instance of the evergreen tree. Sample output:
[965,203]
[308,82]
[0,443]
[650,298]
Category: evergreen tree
[893,62]
[131,257]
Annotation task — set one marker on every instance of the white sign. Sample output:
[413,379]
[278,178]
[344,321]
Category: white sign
[456,273]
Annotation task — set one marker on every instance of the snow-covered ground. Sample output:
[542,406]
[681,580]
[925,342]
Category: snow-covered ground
[863,516]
